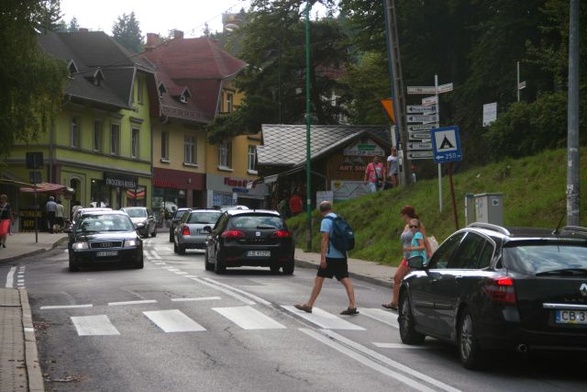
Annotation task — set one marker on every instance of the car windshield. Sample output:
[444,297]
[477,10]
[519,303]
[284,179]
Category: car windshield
[136,212]
[100,223]
[205,217]
[543,259]
[257,222]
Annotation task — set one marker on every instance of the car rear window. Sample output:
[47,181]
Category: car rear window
[544,258]
[206,217]
[136,212]
[257,222]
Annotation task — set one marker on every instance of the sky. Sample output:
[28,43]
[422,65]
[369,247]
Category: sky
[154,16]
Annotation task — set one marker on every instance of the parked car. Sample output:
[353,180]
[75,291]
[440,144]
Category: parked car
[492,288]
[101,236]
[190,233]
[250,238]
[175,218]
[143,219]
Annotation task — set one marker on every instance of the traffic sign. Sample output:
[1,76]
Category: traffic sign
[429,101]
[420,155]
[446,144]
[423,90]
[421,109]
[412,146]
[419,136]
[424,118]
[444,88]
[420,127]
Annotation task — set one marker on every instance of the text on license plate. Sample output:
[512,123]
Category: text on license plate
[570,316]
[107,253]
[258,253]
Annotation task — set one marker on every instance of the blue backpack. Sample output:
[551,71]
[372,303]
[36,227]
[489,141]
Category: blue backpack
[342,235]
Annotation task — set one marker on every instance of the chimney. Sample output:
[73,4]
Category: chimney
[152,41]
[177,34]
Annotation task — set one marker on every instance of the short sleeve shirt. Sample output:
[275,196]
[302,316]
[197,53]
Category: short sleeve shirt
[326,227]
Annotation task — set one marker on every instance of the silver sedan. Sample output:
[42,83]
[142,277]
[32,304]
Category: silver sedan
[190,234]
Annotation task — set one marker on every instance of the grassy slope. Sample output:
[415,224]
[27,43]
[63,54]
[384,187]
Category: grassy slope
[534,195]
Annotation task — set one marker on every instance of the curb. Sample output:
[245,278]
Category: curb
[34,372]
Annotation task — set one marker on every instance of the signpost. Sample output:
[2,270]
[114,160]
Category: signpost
[34,161]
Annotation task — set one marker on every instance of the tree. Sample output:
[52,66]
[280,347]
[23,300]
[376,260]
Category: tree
[32,83]
[126,31]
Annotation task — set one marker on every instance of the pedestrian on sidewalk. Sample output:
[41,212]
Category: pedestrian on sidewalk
[51,207]
[374,175]
[5,219]
[333,263]
[407,213]
[59,217]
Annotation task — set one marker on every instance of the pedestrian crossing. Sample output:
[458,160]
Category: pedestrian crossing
[246,317]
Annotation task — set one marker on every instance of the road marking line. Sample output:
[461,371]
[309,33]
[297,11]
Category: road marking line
[225,291]
[173,321]
[324,319]
[381,315]
[10,278]
[65,306]
[146,301]
[247,317]
[194,299]
[94,326]
[400,345]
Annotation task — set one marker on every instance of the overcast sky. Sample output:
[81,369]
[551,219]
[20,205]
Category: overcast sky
[154,16]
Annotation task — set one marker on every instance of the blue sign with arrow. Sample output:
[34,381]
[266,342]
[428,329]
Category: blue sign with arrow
[446,144]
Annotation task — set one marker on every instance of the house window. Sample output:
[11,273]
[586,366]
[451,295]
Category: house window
[115,139]
[97,140]
[252,159]
[74,133]
[225,155]
[229,102]
[189,149]
[164,146]
[134,143]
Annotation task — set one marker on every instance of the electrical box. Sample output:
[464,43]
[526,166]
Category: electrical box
[489,208]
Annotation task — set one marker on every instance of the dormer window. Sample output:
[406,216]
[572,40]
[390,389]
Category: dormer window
[72,68]
[183,99]
[162,89]
[185,95]
[96,78]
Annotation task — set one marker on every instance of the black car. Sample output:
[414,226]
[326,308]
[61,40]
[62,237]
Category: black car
[491,288]
[250,238]
[143,219]
[175,219]
[104,237]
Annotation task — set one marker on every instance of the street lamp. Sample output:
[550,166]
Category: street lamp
[308,133]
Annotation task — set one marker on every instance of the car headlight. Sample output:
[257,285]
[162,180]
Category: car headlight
[131,243]
[79,245]
[140,224]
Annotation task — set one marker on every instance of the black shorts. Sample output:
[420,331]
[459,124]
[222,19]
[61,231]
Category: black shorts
[338,268]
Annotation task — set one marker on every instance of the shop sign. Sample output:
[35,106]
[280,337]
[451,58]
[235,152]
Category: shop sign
[120,180]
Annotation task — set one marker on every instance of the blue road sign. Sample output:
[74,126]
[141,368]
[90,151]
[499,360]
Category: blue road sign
[446,144]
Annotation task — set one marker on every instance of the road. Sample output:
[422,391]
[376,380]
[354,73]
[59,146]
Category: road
[175,327]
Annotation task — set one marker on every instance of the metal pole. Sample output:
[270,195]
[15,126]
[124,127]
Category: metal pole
[518,79]
[308,134]
[437,125]
[573,175]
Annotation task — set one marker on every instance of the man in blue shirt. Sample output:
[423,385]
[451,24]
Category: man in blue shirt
[333,263]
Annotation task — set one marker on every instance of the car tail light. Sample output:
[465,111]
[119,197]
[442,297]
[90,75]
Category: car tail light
[501,290]
[281,234]
[233,234]
[185,231]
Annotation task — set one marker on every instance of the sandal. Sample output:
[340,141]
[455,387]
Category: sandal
[349,311]
[390,306]
[304,307]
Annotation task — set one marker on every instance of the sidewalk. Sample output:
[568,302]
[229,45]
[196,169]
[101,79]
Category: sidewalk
[19,361]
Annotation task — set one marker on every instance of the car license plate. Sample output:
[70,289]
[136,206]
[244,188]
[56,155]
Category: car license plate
[570,316]
[258,253]
[107,253]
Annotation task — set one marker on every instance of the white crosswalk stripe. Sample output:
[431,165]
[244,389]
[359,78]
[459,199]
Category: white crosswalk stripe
[384,316]
[173,321]
[324,319]
[94,326]
[247,317]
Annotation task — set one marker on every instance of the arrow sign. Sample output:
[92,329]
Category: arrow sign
[421,109]
[429,101]
[444,88]
[420,127]
[425,118]
[423,90]
[420,154]
[446,144]
[420,136]
[420,146]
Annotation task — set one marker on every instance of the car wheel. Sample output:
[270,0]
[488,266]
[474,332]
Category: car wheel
[469,350]
[274,269]
[181,249]
[154,233]
[219,266]
[207,264]
[73,265]
[170,236]
[289,267]
[407,330]
[175,248]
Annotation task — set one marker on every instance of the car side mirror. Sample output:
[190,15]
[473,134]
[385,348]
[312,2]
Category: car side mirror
[416,262]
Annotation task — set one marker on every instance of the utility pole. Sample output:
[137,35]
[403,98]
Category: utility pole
[397,85]
[573,175]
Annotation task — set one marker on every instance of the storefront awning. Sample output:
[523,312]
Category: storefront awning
[47,187]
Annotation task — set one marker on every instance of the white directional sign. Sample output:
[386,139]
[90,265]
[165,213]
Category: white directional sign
[444,88]
[420,146]
[419,137]
[420,127]
[446,144]
[423,118]
[422,90]
[420,155]
[421,109]
[429,101]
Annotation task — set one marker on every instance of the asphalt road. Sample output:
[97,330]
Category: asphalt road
[174,326]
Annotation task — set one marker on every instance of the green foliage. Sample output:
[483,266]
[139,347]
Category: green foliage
[534,195]
[32,84]
[127,32]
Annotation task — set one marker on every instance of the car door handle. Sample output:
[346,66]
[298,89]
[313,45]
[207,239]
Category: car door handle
[458,278]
